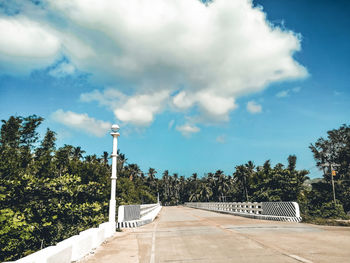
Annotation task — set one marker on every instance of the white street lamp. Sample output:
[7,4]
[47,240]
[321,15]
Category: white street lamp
[112,202]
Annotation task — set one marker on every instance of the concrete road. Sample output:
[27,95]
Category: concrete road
[182,234]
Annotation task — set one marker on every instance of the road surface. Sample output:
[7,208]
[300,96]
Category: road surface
[182,234]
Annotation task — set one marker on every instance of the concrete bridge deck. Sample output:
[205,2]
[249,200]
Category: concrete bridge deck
[182,234]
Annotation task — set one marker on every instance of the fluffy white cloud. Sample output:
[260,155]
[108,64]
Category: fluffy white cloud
[188,129]
[254,107]
[138,109]
[82,122]
[207,55]
[213,106]
[26,45]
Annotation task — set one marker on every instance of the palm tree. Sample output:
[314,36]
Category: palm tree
[151,173]
[222,185]
[166,186]
[78,153]
[121,161]
[205,192]
[151,180]
[241,174]
[134,171]
[175,189]
[105,158]
[62,157]
[194,177]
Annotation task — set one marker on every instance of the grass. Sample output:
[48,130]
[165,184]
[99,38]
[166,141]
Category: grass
[326,221]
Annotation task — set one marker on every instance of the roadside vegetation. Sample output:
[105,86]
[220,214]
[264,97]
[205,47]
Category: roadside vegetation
[48,194]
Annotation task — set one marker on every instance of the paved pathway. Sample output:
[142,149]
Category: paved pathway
[182,234]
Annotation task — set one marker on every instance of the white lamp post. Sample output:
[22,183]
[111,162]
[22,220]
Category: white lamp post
[112,202]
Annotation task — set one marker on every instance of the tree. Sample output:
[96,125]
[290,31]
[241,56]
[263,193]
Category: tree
[204,192]
[62,158]
[335,149]
[10,132]
[29,137]
[151,174]
[47,195]
[242,176]
[105,158]
[78,153]
[43,154]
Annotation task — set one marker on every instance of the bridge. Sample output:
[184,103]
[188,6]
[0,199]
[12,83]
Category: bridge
[203,232]
[183,234]
[200,232]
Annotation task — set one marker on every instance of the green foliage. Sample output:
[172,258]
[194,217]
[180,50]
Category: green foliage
[47,195]
[335,150]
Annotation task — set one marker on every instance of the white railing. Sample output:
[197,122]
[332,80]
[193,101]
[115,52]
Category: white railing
[76,247]
[280,211]
[73,248]
[137,215]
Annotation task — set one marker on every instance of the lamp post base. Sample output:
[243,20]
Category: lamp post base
[112,209]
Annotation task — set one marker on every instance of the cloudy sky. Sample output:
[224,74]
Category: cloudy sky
[194,87]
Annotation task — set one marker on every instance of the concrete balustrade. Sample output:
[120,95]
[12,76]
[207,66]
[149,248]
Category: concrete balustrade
[81,245]
[38,257]
[137,215]
[73,248]
[78,246]
[108,229]
[279,211]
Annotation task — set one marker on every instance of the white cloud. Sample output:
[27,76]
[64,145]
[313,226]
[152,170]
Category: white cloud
[82,122]
[139,109]
[213,106]
[287,92]
[26,45]
[109,97]
[182,101]
[282,94]
[187,129]
[62,70]
[209,55]
[254,107]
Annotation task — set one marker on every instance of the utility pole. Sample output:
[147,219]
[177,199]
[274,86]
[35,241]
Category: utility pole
[333,173]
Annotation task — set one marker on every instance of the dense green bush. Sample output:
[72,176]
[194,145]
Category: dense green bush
[49,194]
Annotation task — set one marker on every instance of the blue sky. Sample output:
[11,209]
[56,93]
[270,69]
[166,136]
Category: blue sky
[194,88]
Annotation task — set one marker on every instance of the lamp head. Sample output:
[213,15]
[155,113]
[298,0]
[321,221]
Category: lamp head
[115,128]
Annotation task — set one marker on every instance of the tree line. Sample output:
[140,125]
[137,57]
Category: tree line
[48,194]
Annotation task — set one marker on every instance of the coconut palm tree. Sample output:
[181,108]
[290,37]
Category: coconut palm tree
[205,192]
[242,176]
[78,153]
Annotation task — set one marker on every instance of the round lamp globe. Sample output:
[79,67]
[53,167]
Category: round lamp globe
[115,127]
